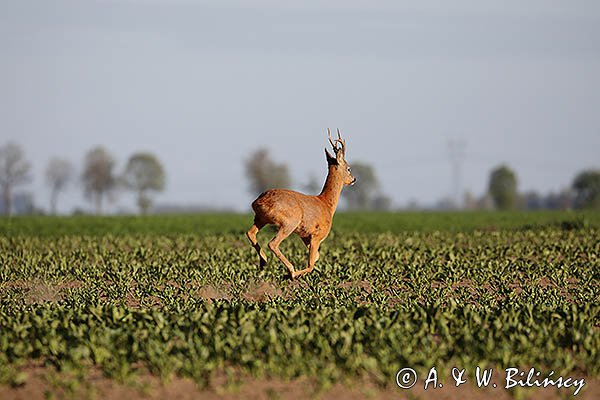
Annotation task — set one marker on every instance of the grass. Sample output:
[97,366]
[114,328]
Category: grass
[366,222]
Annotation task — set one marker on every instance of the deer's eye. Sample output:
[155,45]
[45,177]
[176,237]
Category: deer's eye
[348,169]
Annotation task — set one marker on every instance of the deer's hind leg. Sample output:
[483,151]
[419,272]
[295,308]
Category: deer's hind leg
[283,232]
[252,232]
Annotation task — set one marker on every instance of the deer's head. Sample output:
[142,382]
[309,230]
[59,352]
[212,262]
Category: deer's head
[337,164]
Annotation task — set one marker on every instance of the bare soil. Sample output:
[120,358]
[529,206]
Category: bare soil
[43,383]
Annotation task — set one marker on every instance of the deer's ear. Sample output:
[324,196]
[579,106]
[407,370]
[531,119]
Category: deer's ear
[331,160]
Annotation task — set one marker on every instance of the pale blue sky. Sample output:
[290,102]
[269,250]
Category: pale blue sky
[202,84]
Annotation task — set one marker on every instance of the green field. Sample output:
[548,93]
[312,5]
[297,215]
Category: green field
[183,296]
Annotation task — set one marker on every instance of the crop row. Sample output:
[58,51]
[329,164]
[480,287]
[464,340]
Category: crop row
[193,305]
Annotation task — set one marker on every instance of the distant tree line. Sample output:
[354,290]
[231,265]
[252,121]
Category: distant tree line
[143,174]
[502,191]
[583,193]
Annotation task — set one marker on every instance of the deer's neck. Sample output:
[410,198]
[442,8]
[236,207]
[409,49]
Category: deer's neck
[331,191]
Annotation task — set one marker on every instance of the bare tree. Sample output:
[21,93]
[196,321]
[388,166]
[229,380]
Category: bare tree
[144,173]
[59,173]
[14,170]
[265,174]
[98,177]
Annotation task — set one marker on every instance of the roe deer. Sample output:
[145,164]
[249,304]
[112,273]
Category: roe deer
[309,217]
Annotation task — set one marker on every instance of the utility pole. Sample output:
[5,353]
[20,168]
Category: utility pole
[456,154]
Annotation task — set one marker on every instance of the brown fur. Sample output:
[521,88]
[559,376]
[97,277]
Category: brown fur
[309,217]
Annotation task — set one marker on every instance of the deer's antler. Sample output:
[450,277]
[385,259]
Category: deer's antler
[331,140]
[339,140]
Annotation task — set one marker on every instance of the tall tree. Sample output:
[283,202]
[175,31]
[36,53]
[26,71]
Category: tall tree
[264,173]
[361,196]
[14,170]
[98,177]
[59,173]
[503,187]
[381,202]
[587,189]
[144,174]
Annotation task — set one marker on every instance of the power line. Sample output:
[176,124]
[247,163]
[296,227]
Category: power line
[456,154]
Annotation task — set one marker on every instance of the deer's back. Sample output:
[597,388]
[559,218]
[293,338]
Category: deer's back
[281,206]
